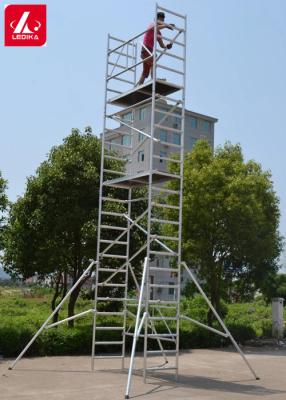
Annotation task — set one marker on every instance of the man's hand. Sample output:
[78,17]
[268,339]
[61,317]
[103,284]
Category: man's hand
[169,46]
[171,26]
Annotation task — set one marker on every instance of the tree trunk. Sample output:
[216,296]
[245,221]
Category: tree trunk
[71,306]
[214,294]
[58,289]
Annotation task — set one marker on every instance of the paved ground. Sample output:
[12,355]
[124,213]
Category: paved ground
[204,375]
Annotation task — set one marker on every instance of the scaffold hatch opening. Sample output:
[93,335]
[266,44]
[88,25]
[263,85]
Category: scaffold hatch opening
[144,92]
[140,179]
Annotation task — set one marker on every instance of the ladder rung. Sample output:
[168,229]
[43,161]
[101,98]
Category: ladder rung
[166,53]
[114,200]
[122,54]
[176,71]
[105,343]
[162,335]
[164,221]
[159,285]
[165,237]
[101,284]
[117,145]
[111,298]
[167,174]
[174,41]
[159,302]
[165,305]
[116,158]
[122,79]
[117,131]
[112,270]
[110,171]
[168,113]
[112,241]
[161,189]
[163,318]
[162,352]
[109,328]
[105,313]
[167,159]
[159,368]
[164,253]
[113,214]
[165,206]
[105,255]
[119,66]
[178,146]
[112,227]
[163,269]
[167,128]
[113,91]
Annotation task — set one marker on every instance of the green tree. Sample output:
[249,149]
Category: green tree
[3,207]
[52,229]
[230,219]
[275,287]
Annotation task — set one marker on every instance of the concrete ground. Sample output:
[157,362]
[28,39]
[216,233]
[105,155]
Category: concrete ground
[204,375]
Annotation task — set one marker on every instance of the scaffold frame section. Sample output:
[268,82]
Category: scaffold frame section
[122,96]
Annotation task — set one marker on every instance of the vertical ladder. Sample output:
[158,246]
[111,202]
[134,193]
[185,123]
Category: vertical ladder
[124,213]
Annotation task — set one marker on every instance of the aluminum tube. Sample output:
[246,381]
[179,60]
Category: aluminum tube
[219,319]
[53,313]
[136,329]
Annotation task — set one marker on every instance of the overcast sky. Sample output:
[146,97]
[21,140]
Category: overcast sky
[236,72]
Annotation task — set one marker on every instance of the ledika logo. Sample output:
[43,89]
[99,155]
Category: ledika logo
[25,25]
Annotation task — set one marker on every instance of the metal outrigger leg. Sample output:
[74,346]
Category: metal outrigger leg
[46,324]
[226,332]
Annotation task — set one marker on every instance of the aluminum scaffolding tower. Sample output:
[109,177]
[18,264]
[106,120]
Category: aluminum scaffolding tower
[155,320]
[140,204]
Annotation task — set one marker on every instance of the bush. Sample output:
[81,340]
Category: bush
[21,317]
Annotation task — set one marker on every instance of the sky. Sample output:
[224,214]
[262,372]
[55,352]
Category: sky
[236,63]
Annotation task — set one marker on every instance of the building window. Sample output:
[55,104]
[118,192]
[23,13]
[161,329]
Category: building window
[142,113]
[127,117]
[163,154]
[163,136]
[194,122]
[176,138]
[141,137]
[177,123]
[192,141]
[114,140]
[140,157]
[126,140]
[206,126]
[171,290]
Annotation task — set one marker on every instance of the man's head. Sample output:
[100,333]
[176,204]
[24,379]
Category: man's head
[160,16]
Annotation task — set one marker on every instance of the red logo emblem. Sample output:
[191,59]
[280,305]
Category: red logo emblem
[25,25]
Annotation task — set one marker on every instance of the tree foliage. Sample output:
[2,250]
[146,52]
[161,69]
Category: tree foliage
[230,219]
[275,287]
[52,229]
[3,207]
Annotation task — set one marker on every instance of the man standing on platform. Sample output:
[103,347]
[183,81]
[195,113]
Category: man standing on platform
[148,45]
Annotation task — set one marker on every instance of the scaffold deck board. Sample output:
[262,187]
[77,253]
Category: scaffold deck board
[140,179]
[143,92]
